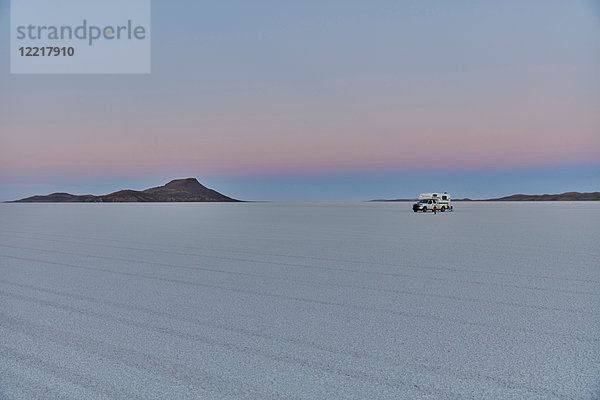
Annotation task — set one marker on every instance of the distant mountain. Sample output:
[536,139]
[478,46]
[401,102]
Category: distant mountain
[393,200]
[178,190]
[57,198]
[569,196]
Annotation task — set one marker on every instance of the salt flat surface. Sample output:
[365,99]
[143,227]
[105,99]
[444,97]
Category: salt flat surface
[299,301]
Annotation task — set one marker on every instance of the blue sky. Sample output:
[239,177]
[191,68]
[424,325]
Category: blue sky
[323,100]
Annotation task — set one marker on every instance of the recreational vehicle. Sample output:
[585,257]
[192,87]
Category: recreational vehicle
[441,201]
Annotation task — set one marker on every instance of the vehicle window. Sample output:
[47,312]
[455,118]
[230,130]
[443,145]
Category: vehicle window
[429,202]
[444,197]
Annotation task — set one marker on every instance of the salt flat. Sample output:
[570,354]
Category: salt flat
[299,301]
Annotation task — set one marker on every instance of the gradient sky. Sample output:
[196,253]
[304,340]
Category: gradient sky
[323,100]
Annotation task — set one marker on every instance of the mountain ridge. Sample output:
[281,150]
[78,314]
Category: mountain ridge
[177,190]
[567,196]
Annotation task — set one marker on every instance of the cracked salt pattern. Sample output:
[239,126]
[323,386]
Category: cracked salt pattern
[299,301]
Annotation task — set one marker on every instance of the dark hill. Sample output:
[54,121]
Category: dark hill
[58,198]
[569,196]
[185,190]
[178,190]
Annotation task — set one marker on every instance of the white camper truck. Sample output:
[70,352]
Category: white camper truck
[441,201]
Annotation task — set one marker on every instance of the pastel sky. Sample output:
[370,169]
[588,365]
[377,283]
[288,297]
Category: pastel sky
[323,100]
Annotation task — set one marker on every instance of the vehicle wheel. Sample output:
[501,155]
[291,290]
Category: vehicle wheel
[424,209]
[443,208]
[415,208]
